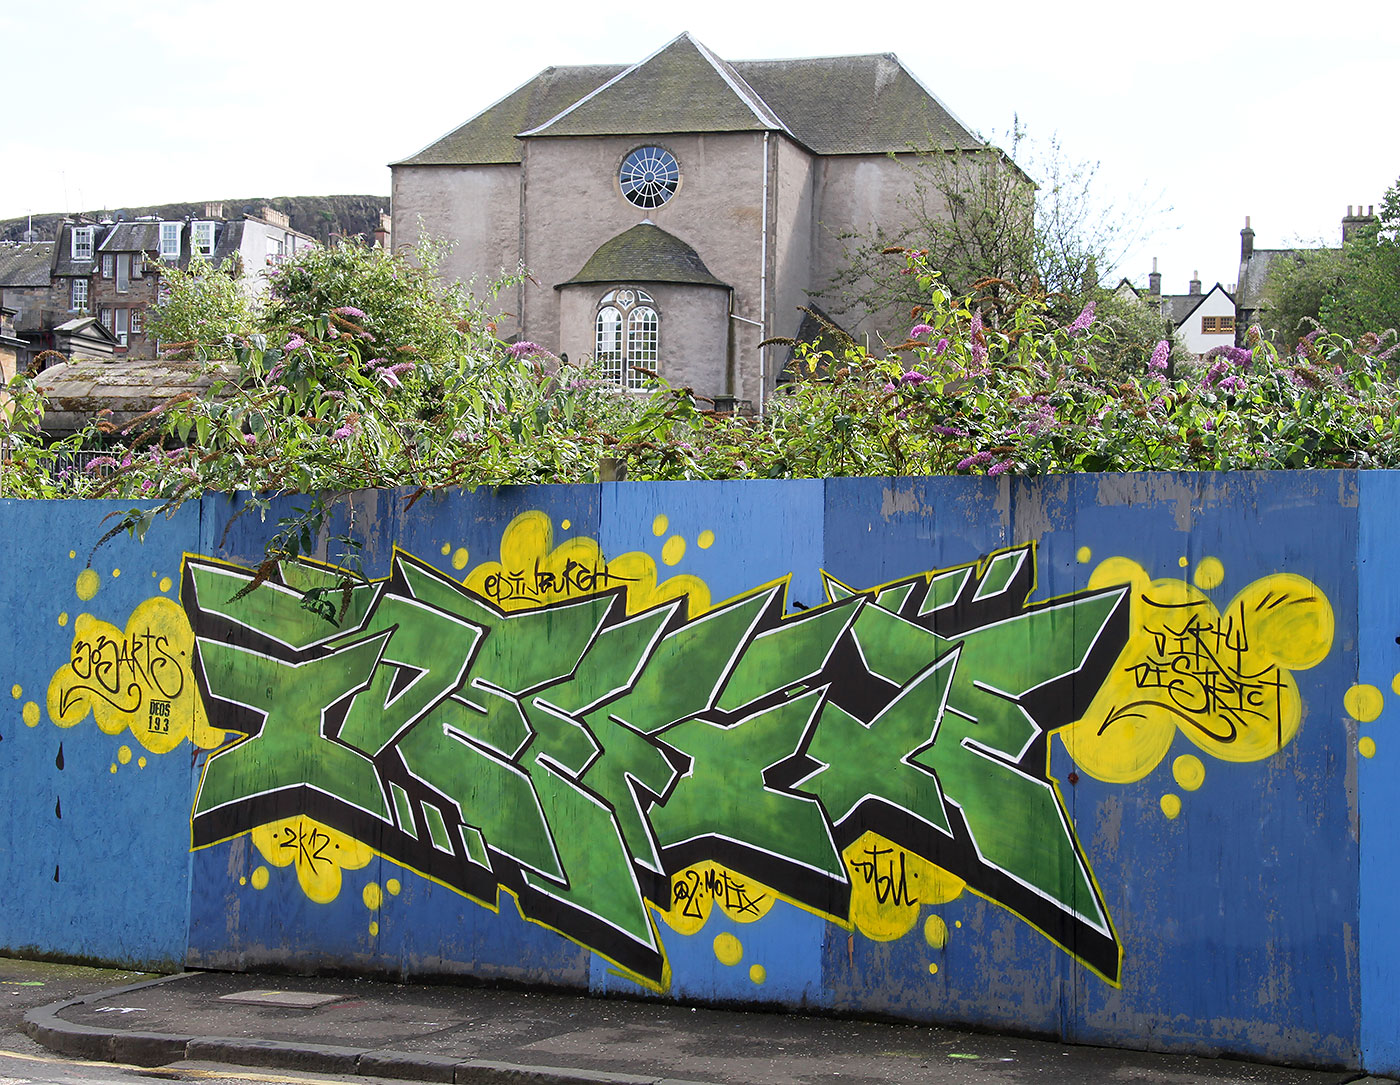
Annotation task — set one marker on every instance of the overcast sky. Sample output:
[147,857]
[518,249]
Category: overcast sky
[1206,112]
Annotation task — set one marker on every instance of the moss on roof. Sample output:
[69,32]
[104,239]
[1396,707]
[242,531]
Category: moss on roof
[682,88]
[489,137]
[832,105]
[855,104]
[645,254]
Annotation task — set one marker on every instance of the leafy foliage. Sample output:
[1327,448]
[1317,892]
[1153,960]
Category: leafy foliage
[1351,290]
[205,308]
[334,408]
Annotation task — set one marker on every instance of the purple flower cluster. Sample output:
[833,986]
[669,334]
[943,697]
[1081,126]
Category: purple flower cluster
[296,342]
[919,330]
[524,349]
[948,431]
[1160,353]
[998,468]
[913,377]
[940,347]
[350,311]
[976,340]
[977,459]
[1083,320]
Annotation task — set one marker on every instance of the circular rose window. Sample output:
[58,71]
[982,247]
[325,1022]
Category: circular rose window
[649,176]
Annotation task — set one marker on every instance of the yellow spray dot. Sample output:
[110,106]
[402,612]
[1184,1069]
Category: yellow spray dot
[124,754]
[935,932]
[16,691]
[72,553]
[116,572]
[1363,703]
[141,762]
[242,881]
[1189,772]
[1083,554]
[446,549]
[957,922]
[1171,805]
[674,550]
[758,973]
[728,949]
[1209,573]
[87,584]
[165,583]
[113,768]
[706,540]
[933,969]
[393,886]
[659,525]
[373,896]
[30,712]
[566,524]
[373,928]
[260,878]
[459,558]
[1183,561]
[1366,747]
[63,618]
[1395,683]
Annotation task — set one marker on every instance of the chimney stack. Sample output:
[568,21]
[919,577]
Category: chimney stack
[214,210]
[1154,281]
[1195,282]
[1246,241]
[1353,224]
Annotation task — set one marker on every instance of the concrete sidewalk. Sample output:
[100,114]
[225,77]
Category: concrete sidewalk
[479,1034]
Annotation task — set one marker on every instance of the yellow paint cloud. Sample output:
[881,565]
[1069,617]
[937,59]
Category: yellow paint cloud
[135,679]
[319,852]
[890,886]
[1222,678]
[533,572]
[697,890]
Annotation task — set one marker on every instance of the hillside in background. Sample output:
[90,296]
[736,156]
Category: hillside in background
[319,216]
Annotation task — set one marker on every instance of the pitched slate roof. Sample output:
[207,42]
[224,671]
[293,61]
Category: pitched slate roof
[25,263]
[832,105]
[646,254]
[683,87]
[856,104]
[489,137]
[1255,271]
[132,237]
[1178,307]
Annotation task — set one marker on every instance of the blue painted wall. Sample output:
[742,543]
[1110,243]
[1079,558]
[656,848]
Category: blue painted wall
[1252,901]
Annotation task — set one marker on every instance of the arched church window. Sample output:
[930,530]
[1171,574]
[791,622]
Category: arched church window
[649,177]
[627,336]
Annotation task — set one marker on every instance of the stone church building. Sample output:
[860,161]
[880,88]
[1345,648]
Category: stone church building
[675,212]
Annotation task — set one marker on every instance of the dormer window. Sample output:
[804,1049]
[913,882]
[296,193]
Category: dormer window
[82,242]
[202,239]
[170,240]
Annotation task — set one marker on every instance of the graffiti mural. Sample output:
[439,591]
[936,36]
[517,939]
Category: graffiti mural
[581,753]
[609,747]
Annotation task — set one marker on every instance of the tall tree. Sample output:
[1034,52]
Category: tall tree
[980,216]
[1351,291]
